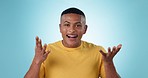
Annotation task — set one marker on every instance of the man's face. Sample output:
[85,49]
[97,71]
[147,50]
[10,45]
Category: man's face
[72,28]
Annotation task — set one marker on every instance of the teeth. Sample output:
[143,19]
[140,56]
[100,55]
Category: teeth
[71,36]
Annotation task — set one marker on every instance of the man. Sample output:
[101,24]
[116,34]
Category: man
[72,57]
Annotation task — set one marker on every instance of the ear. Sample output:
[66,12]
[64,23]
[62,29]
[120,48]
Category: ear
[85,29]
[60,27]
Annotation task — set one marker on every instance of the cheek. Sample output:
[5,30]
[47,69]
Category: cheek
[63,30]
[82,31]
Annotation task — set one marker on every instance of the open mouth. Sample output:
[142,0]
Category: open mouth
[72,36]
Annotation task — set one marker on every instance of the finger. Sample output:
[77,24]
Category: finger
[46,54]
[109,52]
[114,51]
[45,45]
[109,49]
[104,54]
[119,47]
[39,44]
[37,38]
[38,41]
[114,48]
[44,48]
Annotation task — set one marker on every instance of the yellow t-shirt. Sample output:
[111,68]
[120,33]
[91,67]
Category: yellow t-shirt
[81,62]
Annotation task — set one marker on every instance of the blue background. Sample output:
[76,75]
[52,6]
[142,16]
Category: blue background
[110,22]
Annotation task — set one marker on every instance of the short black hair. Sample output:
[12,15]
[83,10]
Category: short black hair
[73,10]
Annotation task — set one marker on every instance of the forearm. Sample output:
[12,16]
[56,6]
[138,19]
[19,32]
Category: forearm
[110,70]
[33,71]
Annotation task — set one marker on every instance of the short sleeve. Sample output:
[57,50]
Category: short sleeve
[102,69]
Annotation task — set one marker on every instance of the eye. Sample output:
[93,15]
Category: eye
[78,25]
[67,25]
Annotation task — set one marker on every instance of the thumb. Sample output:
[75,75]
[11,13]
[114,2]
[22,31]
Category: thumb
[46,53]
[103,54]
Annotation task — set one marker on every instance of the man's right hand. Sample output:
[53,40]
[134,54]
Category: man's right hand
[40,52]
[40,56]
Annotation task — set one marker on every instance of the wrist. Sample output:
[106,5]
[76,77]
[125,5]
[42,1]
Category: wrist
[110,70]
[36,62]
[108,63]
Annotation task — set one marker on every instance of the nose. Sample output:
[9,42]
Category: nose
[71,29]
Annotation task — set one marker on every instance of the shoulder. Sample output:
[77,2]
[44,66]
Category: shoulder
[92,45]
[88,44]
[54,44]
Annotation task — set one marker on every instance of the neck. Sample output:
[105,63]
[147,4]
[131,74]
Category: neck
[71,45]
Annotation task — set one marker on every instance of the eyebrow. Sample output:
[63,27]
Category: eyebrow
[69,22]
[66,22]
[78,22]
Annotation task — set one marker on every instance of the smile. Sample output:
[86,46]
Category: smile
[72,36]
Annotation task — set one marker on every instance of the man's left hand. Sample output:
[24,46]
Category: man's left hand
[108,57]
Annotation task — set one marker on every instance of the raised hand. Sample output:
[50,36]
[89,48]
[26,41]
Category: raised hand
[40,56]
[109,67]
[40,53]
[108,57]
